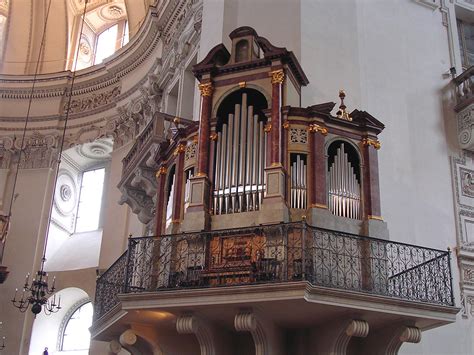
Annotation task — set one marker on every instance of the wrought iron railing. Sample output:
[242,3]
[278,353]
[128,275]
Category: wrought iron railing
[464,88]
[278,253]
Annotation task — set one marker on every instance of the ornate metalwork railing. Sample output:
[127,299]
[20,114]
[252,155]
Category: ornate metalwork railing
[278,253]
[464,88]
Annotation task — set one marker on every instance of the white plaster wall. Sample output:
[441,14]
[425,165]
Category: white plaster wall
[23,250]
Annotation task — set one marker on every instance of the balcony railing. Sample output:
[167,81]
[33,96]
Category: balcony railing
[278,253]
[464,89]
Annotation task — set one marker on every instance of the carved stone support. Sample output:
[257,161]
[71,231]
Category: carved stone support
[266,336]
[389,340]
[334,337]
[466,128]
[211,340]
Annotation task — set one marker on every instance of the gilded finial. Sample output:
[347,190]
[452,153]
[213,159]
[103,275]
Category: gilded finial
[342,113]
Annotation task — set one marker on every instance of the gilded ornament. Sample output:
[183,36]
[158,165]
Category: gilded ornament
[195,139]
[181,148]
[177,120]
[278,76]
[313,128]
[286,125]
[375,143]
[268,127]
[206,89]
[342,112]
[242,84]
[161,171]
[213,136]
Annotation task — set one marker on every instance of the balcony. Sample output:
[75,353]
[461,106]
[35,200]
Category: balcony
[463,107]
[315,275]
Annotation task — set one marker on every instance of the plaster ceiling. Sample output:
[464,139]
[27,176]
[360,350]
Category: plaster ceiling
[100,13]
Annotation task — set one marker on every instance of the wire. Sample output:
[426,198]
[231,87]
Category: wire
[63,135]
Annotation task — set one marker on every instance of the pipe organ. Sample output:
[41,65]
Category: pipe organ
[239,180]
[298,181]
[255,150]
[344,189]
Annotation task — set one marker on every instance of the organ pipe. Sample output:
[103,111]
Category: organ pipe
[239,167]
[298,183]
[344,189]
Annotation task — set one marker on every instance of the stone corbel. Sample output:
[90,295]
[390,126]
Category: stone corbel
[466,128]
[145,179]
[389,340]
[211,341]
[139,202]
[138,343]
[334,338]
[266,335]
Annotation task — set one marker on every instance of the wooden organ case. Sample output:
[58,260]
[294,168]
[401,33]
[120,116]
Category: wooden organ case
[257,158]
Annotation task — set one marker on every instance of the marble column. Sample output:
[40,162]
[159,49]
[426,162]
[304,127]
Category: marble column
[206,90]
[318,193]
[371,179]
[277,77]
[160,199]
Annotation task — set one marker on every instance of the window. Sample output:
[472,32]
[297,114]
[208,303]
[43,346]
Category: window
[90,200]
[106,43]
[466,43]
[76,336]
[3,27]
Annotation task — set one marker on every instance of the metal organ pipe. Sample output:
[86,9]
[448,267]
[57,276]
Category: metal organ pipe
[344,189]
[298,182]
[239,165]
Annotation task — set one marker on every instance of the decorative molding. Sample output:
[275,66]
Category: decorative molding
[191,151]
[432,4]
[93,101]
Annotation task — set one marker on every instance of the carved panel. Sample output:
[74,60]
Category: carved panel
[467,182]
[466,128]
[298,135]
[190,152]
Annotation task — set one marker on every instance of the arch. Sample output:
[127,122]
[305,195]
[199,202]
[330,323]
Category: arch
[254,98]
[226,94]
[64,344]
[355,158]
[47,330]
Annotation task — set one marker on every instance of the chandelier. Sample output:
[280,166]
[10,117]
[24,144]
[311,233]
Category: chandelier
[35,294]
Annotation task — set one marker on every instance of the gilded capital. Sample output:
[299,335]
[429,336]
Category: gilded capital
[373,142]
[179,149]
[206,89]
[313,128]
[268,127]
[161,171]
[286,125]
[213,136]
[278,76]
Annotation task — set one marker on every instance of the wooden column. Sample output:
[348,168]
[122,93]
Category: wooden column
[160,199]
[371,179]
[278,76]
[204,128]
[318,194]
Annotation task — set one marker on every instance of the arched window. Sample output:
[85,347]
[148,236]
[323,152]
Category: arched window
[242,51]
[76,336]
[105,31]
[3,25]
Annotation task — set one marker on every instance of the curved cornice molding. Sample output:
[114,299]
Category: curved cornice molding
[103,103]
